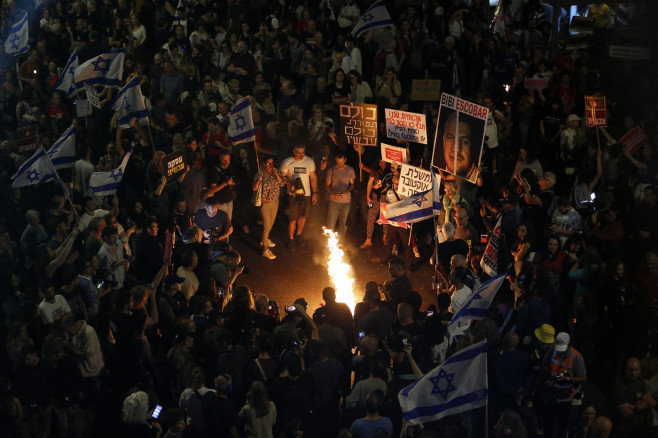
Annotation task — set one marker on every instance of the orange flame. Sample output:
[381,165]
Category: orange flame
[339,271]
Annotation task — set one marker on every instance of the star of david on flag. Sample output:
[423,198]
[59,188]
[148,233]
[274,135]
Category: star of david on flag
[107,183]
[62,152]
[459,384]
[374,17]
[241,125]
[104,70]
[37,169]
[416,207]
[476,306]
[18,41]
[65,80]
[129,104]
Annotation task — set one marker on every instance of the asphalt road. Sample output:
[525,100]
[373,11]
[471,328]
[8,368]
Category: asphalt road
[303,272]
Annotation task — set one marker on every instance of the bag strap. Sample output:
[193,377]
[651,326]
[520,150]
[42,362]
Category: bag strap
[260,368]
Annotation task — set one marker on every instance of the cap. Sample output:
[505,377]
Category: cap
[573,117]
[562,341]
[275,23]
[173,278]
[545,333]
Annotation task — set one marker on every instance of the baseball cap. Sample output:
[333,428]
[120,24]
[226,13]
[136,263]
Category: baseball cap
[173,278]
[545,333]
[562,341]
[573,117]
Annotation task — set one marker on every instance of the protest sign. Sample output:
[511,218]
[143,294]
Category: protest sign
[358,124]
[28,139]
[595,111]
[174,164]
[425,89]
[414,180]
[629,53]
[634,140]
[489,261]
[406,126]
[92,96]
[394,154]
[465,121]
[536,84]
[82,107]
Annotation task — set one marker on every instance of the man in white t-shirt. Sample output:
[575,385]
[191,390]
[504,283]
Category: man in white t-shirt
[299,173]
[53,307]
[90,211]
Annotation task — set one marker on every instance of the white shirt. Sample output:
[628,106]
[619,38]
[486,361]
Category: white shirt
[86,218]
[50,311]
[107,259]
[299,169]
[459,298]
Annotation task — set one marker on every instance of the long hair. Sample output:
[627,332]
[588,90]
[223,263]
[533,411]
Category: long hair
[135,408]
[258,399]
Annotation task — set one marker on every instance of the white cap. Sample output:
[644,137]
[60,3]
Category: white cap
[562,342]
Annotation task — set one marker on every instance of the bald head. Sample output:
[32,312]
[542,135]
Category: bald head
[633,368]
[601,428]
[458,261]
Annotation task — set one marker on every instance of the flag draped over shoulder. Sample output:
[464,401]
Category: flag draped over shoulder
[107,183]
[18,40]
[66,79]
[459,384]
[62,152]
[103,70]
[37,169]
[477,306]
[375,16]
[416,207]
[129,104]
[241,125]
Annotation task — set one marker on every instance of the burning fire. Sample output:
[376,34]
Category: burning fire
[339,271]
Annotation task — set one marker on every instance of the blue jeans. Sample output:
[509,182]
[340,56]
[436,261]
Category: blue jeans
[337,216]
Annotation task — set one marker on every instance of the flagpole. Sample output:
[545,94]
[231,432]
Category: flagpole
[20,83]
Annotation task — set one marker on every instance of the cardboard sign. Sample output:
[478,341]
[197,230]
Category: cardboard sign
[536,84]
[629,53]
[634,139]
[27,139]
[459,137]
[425,89]
[406,126]
[489,261]
[174,164]
[414,180]
[595,111]
[358,124]
[92,96]
[394,154]
[82,107]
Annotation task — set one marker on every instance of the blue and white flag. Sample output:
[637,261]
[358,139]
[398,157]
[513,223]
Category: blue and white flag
[66,78]
[375,16]
[62,152]
[37,169]
[18,40]
[476,307]
[104,70]
[241,125]
[416,207]
[459,384]
[129,103]
[107,183]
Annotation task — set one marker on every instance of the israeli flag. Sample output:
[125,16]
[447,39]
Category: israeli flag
[416,207]
[18,41]
[36,170]
[107,183]
[66,79]
[476,307]
[375,16]
[459,384]
[241,125]
[104,70]
[129,103]
[62,152]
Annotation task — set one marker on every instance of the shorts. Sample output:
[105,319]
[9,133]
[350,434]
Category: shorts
[298,207]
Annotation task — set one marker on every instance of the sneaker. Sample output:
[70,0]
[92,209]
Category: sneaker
[395,250]
[268,254]
[291,244]
[270,244]
[301,241]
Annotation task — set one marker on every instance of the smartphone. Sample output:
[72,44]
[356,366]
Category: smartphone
[290,309]
[429,313]
[362,335]
[100,284]
[405,342]
[483,238]
[156,412]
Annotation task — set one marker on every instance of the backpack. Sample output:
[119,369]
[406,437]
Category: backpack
[379,65]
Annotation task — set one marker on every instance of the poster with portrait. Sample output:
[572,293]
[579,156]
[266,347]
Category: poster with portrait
[459,137]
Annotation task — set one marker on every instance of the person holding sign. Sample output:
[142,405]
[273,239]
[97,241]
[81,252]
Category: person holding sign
[457,149]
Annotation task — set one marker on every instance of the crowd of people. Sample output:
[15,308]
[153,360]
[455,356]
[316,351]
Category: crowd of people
[107,331]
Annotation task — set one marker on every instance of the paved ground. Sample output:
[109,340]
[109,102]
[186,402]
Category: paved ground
[303,272]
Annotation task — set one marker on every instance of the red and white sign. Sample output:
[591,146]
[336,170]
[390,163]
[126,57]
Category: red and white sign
[414,180]
[536,84]
[489,262]
[634,140]
[595,111]
[394,154]
[406,126]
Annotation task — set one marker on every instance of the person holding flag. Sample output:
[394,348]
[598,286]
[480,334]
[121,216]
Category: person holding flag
[18,40]
[62,152]
[129,104]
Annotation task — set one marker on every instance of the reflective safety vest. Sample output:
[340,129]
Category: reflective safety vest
[565,391]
